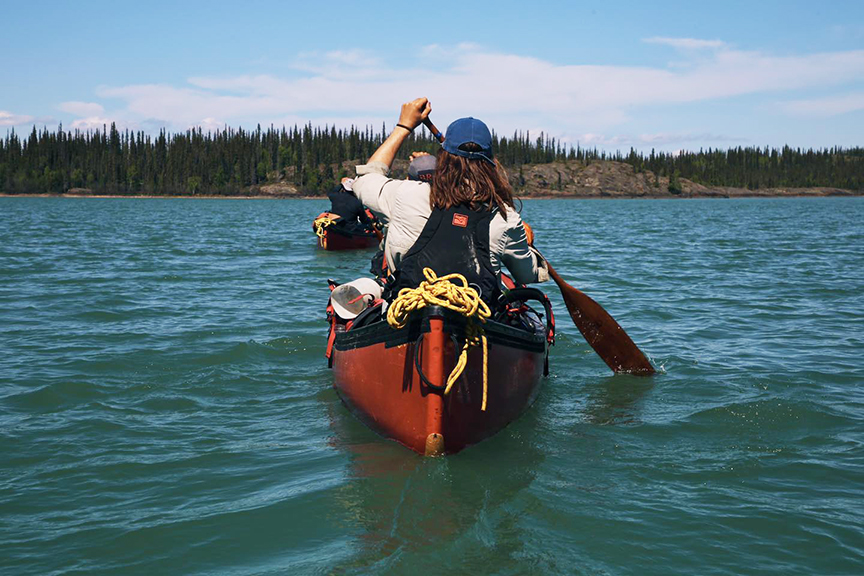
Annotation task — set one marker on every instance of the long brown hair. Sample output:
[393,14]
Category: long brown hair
[475,183]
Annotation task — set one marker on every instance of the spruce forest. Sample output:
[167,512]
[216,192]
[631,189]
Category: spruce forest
[237,161]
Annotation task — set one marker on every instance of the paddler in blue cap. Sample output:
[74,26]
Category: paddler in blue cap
[462,221]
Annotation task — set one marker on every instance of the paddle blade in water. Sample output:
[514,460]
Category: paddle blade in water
[602,332]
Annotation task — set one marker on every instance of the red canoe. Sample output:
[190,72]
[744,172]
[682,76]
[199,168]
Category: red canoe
[375,370]
[333,237]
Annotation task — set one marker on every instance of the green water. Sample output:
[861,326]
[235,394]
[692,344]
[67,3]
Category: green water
[165,407]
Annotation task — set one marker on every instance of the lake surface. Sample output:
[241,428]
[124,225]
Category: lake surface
[165,407]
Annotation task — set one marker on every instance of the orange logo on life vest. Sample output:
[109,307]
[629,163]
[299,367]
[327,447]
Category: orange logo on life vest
[460,220]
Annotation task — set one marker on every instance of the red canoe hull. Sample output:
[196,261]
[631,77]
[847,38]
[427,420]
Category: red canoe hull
[335,239]
[379,382]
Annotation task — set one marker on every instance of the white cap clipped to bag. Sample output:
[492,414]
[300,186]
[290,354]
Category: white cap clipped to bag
[353,297]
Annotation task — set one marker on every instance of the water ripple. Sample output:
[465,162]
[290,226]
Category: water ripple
[166,407]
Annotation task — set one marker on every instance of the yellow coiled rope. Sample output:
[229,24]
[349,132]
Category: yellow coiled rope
[321,223]
[465,300]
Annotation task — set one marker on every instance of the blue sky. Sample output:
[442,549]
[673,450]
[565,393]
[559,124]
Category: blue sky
[675,75]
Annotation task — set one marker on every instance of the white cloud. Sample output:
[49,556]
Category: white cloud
[82,108]
[97,122]
[659,139]
[209,125]
[10,119]
[354,62]
[590,140]
[508,91]
[91,116]
[438,52]
[664,138]
[314,61]
[686,43]
[829,106]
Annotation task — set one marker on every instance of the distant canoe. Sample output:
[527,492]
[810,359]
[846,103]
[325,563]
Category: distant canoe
[331,236]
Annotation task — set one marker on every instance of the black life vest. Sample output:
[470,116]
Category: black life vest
[453,240]
[348,207]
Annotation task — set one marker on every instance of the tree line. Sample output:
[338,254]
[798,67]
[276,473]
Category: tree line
[314,159]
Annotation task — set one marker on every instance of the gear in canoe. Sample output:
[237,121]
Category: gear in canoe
[348,225]
[441,370]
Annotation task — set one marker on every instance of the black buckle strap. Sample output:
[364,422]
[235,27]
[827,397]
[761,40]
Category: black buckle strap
[417,346]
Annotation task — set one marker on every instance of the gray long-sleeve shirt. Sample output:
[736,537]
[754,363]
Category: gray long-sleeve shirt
[404,205]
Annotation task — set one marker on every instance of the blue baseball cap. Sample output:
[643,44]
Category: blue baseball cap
[467,130]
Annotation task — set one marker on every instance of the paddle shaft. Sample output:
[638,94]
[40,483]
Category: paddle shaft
[435,132]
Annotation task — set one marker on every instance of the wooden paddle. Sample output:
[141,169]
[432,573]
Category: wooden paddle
[435,132]
[598,327]
[601,331]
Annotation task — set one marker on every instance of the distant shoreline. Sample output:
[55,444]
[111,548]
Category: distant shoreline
[552,180]
[569,179]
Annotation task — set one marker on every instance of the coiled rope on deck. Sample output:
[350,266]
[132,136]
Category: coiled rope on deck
[442,291]
[320,224]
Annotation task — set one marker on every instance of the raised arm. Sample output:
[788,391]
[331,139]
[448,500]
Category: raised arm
[412,115]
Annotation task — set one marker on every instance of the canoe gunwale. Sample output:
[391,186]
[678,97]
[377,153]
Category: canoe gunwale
[454,323]
[350,234]
[336,240]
